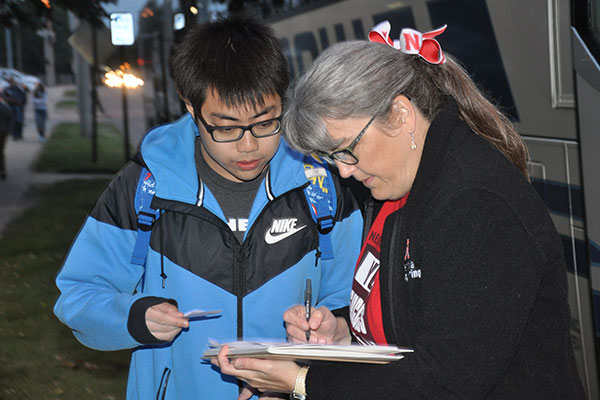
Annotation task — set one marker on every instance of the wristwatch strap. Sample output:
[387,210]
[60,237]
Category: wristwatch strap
[299,392]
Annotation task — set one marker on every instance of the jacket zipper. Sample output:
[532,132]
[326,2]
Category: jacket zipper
[164,381]
[396,230]
[162,250]
[240,286]
[368,218]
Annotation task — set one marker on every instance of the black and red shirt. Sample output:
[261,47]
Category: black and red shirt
[365,299]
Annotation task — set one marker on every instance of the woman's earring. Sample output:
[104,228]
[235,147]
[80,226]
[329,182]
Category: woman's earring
[413,145]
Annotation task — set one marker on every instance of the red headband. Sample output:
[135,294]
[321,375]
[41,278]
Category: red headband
[411,41]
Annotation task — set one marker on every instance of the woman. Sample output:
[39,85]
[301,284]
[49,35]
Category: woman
[41,110]
[471,272]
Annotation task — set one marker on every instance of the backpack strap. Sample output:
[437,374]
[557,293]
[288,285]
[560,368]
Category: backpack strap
[146,216]
[320,194]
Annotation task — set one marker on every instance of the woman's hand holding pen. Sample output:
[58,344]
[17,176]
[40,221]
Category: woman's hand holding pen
[325,328]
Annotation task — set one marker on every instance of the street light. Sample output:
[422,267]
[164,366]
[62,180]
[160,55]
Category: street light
[125,80]
[147,13]
[120,77]
[121,34]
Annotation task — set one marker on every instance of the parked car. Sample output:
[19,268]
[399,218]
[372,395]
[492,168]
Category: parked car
[29,81]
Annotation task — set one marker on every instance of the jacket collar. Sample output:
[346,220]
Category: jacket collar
[445,135]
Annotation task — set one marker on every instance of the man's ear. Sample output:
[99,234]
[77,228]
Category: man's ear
[189,107]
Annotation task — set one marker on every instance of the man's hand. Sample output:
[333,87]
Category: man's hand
[165,321]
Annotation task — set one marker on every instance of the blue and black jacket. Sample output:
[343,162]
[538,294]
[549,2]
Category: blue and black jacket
[195,260]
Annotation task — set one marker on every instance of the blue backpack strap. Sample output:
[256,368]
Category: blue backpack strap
[320,194]
[146,215]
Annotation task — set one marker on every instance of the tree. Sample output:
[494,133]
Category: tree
[32,12]
[27,17]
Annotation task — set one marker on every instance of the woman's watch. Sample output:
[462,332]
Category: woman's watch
[299,392]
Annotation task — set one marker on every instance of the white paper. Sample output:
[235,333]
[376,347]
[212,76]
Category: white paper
[350,353]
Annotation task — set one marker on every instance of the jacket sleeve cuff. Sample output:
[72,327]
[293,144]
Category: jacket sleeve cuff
[136,322]
[343,312]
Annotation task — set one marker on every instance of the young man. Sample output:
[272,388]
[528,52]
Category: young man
[235,231]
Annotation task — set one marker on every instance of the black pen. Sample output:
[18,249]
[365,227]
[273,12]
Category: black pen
[307,301]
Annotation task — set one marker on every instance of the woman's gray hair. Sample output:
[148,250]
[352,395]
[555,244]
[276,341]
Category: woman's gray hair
[349,79]
[361,79]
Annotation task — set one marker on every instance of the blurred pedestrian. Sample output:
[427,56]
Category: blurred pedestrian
[40,108]
[15,96]
[6,122]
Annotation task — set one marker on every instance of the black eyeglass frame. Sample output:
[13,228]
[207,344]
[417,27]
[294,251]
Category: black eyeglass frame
[211,128]
[330,157]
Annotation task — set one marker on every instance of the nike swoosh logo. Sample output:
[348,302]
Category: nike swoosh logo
[272,239]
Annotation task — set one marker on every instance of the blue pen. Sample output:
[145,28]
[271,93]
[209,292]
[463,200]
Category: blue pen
[307,301]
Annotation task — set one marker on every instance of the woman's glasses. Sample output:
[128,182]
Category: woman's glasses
[345,155]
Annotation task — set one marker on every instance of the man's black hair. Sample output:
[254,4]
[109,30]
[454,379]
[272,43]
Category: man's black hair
[240,58]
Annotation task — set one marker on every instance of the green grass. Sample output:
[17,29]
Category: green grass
[68,151]
[70,93]
[67,103]
[39,357]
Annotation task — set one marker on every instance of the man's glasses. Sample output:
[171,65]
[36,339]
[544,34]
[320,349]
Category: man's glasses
[345,155]
[233,133]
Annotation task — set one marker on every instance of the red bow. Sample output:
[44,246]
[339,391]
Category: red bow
[411,41]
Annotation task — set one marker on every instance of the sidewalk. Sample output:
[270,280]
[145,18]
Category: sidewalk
[20,156]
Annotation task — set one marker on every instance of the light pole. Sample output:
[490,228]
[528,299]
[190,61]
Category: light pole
[121,29]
